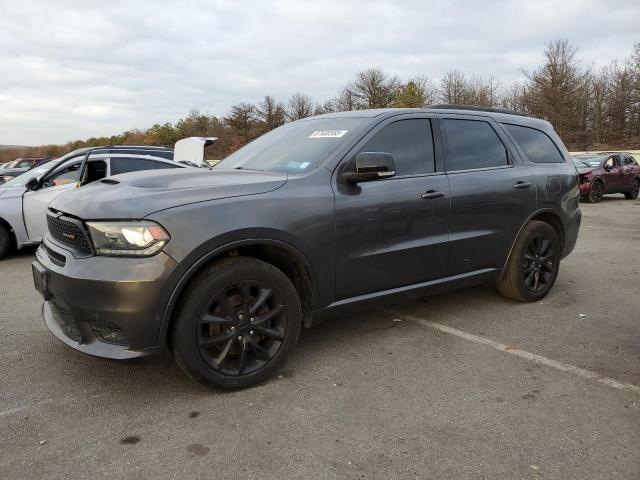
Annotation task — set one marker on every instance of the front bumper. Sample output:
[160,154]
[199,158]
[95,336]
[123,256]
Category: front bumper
[103,306]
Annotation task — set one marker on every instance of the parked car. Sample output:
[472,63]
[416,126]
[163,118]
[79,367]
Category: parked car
[24,199]
[607,172]
[18,167]
[10,174]
[27,163]
[316,217]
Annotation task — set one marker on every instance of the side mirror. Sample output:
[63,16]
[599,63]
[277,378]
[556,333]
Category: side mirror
[371,166]
[32,184]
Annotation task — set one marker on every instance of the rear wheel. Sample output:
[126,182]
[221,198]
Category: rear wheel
[237,323]
[596,192]
[634,192]
[5,241]
[533,265]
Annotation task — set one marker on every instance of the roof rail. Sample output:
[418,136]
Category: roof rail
[478,109]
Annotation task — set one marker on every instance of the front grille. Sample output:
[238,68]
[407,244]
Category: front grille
[69,233]
[67,323]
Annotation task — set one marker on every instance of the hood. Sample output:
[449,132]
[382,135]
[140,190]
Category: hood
[11,192]
[138,194]
[585,170]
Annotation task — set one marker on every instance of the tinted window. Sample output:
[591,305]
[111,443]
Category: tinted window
[473,144]
[124,165]
[537,146]
[96,170]
[411,144]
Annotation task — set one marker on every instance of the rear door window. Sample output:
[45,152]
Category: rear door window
[131,164]
[473,144]
[537,146]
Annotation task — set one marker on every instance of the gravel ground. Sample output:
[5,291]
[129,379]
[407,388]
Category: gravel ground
[362,397]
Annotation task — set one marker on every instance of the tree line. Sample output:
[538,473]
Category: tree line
[590,109]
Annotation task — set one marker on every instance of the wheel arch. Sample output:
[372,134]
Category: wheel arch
[12,233]
[548,216]
[284,256]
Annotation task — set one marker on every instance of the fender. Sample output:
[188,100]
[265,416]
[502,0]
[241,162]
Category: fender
[186,274]
[529,218]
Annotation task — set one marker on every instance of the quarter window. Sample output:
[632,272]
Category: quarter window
[411,144]
[473,144]
[537,146]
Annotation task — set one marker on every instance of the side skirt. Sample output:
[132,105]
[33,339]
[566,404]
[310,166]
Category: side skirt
[406,293]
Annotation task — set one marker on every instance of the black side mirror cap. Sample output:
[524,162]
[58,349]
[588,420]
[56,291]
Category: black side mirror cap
[32,184]
[370,166]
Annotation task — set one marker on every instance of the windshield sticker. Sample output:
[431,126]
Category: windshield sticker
[328,133]
[304,165]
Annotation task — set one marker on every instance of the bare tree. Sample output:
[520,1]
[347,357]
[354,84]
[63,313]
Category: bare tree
[346,100]
[270,113]
[299,106]
[373,88]
[560,89]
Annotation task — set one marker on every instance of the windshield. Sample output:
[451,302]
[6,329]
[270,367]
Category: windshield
[588,161]
[296,147]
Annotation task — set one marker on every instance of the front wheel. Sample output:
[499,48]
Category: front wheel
[236,324]
[533,265]
[634,192]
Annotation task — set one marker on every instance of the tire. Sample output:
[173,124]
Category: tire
[533,265]
[5,241]
[212,339]
[634,192]
[595,192]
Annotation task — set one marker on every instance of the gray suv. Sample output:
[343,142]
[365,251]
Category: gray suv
[313,219]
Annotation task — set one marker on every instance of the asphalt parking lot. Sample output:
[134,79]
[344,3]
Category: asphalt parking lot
[445,387]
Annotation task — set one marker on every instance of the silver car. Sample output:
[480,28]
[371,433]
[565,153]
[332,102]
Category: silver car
[24,200]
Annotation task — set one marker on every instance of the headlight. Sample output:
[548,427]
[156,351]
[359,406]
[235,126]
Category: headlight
[127,239]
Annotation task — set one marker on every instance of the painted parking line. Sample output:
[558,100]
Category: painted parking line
[564,367]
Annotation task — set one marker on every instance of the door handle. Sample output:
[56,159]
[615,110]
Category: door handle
[431,194]
[522,184]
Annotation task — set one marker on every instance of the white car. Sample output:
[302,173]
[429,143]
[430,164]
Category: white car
[24,200]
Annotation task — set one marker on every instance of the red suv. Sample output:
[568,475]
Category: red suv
[607,172]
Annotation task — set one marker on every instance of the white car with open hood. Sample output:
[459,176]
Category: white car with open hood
[24,200]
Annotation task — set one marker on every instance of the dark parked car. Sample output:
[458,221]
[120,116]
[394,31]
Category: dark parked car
[607,172]
[313,219]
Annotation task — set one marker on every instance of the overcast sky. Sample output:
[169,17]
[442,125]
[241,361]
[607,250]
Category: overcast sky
[74,69]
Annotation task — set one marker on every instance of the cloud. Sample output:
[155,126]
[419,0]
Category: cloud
[74,69]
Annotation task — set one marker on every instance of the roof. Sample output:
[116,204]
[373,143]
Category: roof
[498,114]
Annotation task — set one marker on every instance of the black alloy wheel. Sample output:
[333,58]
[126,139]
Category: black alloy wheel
[236,323]
[532,267]
[242,329]
[538,265]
